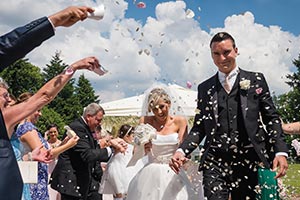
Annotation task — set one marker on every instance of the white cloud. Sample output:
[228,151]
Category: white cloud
[169,47]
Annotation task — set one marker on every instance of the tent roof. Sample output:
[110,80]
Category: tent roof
[132,106]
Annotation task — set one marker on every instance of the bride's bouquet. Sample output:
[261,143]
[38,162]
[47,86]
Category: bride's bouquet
[143,134]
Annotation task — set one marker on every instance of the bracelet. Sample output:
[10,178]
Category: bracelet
[29,156]
[69,71]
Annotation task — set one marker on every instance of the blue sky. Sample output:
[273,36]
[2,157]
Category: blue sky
[283,13]
[169,47]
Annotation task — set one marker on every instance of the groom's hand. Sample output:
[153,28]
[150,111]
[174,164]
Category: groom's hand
[280,163]
[177,161]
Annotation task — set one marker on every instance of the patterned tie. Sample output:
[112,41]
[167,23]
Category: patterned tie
[227,84]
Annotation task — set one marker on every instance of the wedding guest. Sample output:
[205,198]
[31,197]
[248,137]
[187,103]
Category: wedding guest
[78,172]
[102,136]
[233,107]
[31,139]
[14,114]
[14,45]
[35,155]
[52,135]
[117,175]
[155,180]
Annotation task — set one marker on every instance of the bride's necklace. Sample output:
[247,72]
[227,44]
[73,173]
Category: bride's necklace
[160,124]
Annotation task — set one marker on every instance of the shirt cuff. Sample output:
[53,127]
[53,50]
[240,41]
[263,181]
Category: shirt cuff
[180,150]
[51,24]
[110,151]
[282,154]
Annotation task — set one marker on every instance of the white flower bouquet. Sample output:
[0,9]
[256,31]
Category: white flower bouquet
[143,134]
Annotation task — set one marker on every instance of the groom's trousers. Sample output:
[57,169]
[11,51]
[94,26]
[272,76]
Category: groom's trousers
[230,172]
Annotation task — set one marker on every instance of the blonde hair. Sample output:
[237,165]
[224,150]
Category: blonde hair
[155,95]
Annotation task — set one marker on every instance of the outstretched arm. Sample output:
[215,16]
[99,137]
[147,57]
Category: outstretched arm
[291,128]
[20,41]
[14,114]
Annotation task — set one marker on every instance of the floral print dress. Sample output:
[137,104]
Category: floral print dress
[40,190]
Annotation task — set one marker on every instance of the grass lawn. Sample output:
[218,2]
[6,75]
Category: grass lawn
[292,181]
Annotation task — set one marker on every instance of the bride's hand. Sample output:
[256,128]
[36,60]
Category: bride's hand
[147,147]
[177,161]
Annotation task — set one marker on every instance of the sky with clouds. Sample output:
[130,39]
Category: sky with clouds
[162,43]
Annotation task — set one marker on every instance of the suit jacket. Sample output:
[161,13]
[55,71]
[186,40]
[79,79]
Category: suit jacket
[78,169]
[259,114]
[11,183]
[17,43]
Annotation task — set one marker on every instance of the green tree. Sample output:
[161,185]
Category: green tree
[50,116]
[65,102]
[289,103]
[22,76]
[85,92]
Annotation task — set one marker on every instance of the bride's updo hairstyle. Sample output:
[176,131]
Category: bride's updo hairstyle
[155,95]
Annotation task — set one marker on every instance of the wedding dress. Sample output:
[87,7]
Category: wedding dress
[157,181]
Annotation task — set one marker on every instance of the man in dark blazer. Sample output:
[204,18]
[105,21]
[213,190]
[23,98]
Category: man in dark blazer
[78,173]
[20,41]
[13,46]
[242,127]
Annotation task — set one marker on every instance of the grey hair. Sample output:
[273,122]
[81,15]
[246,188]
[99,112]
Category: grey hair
[3,84]
[92,109]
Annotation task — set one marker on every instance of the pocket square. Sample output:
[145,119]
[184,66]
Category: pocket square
[258,90]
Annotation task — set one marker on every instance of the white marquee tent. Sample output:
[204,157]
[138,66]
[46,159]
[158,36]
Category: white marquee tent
[184,98]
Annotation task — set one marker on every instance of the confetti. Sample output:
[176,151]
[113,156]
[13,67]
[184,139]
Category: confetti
[189,84]
[141,5]
[189,14]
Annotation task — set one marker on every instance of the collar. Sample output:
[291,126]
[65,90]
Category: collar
[231,76]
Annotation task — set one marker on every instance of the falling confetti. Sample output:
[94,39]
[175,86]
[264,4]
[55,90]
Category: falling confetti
[189,84]
[141,5]
[189,14]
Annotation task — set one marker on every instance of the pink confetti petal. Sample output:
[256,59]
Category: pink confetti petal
[141,5]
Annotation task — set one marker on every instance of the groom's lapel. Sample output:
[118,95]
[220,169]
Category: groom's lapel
[243,94]
[214,97]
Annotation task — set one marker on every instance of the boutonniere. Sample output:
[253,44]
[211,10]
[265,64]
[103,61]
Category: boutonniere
[245,84]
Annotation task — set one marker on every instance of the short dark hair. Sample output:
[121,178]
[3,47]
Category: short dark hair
[220,37]
[125,129]
[53,125]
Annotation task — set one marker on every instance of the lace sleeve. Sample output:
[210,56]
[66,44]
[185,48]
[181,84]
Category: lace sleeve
[24,128]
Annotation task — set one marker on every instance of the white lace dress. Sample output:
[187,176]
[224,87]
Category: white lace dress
[157,181]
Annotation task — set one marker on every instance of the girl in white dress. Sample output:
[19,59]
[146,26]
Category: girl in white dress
[156,181]
[117,176]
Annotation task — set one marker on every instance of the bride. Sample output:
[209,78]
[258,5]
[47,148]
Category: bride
[156,181]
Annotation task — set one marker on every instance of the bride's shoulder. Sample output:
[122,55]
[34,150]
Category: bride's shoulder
[178,118]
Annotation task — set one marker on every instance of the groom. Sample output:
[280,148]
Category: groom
[242,127]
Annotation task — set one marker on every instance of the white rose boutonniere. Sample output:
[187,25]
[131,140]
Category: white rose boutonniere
[245,84]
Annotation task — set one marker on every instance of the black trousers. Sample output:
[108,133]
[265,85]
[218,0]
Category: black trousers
[91,196]
[230,172]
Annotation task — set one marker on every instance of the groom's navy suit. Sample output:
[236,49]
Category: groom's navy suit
[241,128]
[13,46]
